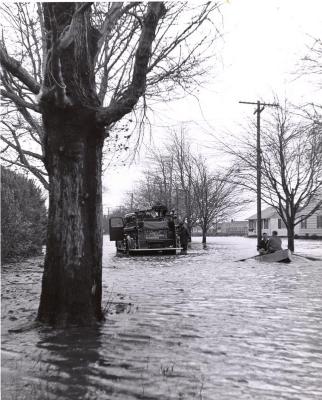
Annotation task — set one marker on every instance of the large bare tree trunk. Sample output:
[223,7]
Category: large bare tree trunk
[72,287]
[72,280]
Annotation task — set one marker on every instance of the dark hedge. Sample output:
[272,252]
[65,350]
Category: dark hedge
[23,217]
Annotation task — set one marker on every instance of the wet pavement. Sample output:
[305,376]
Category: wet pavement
[200,326]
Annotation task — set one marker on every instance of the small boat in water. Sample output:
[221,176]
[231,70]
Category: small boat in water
[278,256]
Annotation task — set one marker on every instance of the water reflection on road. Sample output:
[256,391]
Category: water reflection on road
[199,326]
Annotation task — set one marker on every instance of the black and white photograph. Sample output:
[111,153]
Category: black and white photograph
[161,200]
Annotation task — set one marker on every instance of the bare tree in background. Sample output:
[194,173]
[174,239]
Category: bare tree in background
[71,72]
[216,196]
[179,148]
[311,67]
[158,184]
[182,180]
[169,179]
[291,167]
[311,64]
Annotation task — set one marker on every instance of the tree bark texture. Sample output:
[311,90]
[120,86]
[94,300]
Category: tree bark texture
[72,279]
[204,236]
[72,287]
[290,236]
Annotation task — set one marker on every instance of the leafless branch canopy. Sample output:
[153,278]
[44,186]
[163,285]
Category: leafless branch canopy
[291,149]
[180,178]
[142,53]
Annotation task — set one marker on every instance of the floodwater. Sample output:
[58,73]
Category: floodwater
[197,326]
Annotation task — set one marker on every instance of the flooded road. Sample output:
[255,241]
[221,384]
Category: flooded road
[200,326]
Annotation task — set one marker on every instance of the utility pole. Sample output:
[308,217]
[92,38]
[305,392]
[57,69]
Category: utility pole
[177,199]
[260,107]
[189,208]
[108,209]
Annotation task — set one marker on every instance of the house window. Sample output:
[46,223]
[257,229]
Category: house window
[280,224]
[265,223]
[303,223]
[252,224]
[319,221]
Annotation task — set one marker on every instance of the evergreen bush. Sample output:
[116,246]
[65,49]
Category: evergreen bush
[23,217]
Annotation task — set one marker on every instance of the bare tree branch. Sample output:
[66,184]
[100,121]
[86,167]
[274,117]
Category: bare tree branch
[14,67]
[19,101]
[22,151]
[128,99]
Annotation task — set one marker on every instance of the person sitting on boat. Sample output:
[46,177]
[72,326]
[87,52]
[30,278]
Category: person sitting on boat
[274,243]
[263,244]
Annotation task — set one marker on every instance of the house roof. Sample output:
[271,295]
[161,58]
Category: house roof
[267,213]
[270,212]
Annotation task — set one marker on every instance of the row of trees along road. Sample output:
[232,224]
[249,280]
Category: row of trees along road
[181,179]
[23,217]
[71,72]
[291,155]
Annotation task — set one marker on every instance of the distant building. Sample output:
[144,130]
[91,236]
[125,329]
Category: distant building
[233,228]
[196,230]
[271,221]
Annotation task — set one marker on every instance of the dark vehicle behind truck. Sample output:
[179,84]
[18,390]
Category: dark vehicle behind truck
[153,230]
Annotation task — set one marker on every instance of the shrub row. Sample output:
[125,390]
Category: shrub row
[23,217]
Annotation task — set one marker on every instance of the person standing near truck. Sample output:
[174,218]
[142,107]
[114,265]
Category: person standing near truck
[184,237]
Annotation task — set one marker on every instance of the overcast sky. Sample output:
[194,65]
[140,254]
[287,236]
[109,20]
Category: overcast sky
[259,55]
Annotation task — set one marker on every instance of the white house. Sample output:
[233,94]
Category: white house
[312,225]
[271,221]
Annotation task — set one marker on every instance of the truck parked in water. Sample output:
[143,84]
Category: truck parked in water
[152,230]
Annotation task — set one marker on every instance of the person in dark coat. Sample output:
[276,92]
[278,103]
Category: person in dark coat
[263,244]
[274,243]
[184,237]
